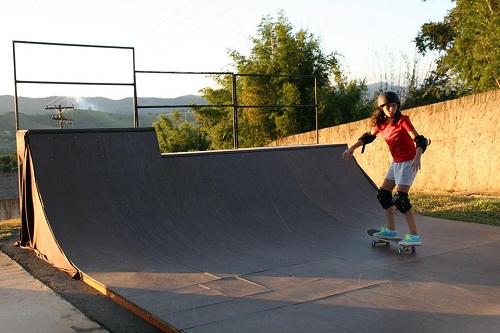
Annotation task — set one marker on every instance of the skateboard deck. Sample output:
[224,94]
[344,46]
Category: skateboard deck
[386,242]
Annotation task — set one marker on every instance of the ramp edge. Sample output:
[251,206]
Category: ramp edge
[122,301]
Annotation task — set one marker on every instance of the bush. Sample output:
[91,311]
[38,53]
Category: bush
[8,163]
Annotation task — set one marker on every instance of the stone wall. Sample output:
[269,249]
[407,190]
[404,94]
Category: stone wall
[9,201]
[9,209]
[464,155]
[8,185]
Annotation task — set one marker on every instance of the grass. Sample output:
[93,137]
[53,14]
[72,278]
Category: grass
[467,208]
[8,227]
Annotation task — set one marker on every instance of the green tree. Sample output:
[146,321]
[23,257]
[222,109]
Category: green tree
[279,51]
[217,122]
[468,40]
[8,163]
[436,87]
[177,135]
[344,101]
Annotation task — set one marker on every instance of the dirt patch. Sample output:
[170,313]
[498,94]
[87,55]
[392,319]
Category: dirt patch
[94,305]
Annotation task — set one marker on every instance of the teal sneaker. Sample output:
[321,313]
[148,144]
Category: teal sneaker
[387,234]
[410,240]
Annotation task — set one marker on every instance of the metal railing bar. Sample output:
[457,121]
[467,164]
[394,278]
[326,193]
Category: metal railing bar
[76,45]
[183,106]
[222,105]
[277,106]
[173,72]
[276,75]
[76,83]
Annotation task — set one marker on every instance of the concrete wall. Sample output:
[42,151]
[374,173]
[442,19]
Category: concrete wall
[9,209]
[8,185]
[9,201]
[464,155]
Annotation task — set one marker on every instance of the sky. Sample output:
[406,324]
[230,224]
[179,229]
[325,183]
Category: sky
[374,38]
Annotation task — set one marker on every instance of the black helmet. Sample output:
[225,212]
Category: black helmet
[388,97]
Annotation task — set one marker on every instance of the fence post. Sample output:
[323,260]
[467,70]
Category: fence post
[235,113]
[136,109]
[316,109]
[16,101]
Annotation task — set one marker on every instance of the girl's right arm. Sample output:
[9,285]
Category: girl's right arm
[347,154]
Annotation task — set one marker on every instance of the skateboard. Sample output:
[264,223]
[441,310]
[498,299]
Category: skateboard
[401,248]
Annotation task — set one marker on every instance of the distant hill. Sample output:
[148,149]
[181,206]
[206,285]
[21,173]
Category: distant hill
[90,112]
[81,119]
[32,106]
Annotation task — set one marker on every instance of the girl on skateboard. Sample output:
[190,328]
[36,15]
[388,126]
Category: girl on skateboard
[406,147]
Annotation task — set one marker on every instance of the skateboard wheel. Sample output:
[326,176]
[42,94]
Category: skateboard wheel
[374,243]
[413,249]
[400,251]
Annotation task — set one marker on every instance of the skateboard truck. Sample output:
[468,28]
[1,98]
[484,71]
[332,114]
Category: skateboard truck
[401,249]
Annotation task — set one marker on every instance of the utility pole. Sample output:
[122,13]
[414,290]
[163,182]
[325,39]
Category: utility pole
[59,115]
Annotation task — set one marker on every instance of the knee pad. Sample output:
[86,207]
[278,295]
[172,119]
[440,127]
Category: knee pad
[402,202]
[385,198]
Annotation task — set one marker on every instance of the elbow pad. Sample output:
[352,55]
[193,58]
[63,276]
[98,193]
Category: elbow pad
[366,138]
[422,142]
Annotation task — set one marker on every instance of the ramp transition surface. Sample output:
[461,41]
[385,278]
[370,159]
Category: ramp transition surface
[268,240]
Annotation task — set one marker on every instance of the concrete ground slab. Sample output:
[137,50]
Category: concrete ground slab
[27,305]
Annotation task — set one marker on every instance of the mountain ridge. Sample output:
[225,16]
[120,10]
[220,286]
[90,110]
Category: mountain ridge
[36,105]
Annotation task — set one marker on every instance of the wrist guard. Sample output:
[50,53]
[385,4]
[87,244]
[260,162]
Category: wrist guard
[422,142]
[366,138]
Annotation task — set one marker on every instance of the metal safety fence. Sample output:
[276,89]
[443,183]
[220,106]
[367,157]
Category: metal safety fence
[235,105]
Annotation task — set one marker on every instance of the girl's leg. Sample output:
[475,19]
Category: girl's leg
[390,212]
[409,215]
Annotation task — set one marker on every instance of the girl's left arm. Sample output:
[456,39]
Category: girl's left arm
[416,165]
